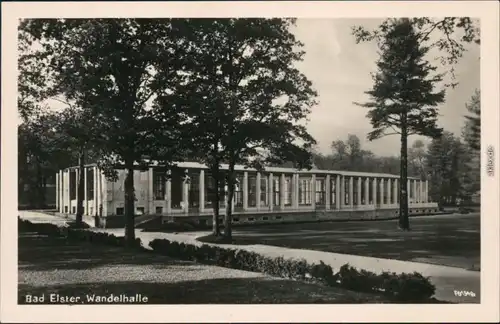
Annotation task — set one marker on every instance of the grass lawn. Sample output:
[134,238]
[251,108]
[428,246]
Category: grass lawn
[452,240]
[55,266]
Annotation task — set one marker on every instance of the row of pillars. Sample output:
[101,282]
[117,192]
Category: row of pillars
[63,185]
[386,188]
[390,186]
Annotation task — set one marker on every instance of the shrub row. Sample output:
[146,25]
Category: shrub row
[403,287]
[73,234]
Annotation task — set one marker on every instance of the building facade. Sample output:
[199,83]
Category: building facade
[275,194]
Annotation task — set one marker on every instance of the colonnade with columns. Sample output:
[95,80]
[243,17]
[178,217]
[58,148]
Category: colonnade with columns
[277,189]
[67,190]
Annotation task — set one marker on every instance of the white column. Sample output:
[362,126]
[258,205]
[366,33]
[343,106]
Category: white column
[367,191]
[201,191]
[313,191]
[150,192]
[104,195]
[389,191]
[95,189]
[57,192]
[338,192]
[67,191]
[270,190]
[98,194]
[77,183]
[282,191]
[351,192]
[395,191]
[61,191]
[374,191]
[358,192]
[185,194]
[257,190]
[85,197]
[168,194]
[328,191]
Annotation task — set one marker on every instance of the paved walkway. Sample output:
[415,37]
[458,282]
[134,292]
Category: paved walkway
[446,279]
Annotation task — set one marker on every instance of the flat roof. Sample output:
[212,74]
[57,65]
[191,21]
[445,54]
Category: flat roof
[268,169]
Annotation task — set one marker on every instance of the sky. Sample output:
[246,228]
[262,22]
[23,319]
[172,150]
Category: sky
[340,72]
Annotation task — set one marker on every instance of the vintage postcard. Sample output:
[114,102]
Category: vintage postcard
[250,161]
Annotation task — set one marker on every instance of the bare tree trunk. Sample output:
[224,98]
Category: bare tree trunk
[404,222]
[129,203]
[229,206]
[216,201]
[81,188]
[44,191]
[38,186]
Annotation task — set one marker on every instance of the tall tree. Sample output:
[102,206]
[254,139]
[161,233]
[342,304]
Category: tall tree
[123,71]
[471,134]
[39,156]
[448,35]
[446,159]
[416,159]
[403,97]
[80,131]
[31,80]
[472,128]
[247,98]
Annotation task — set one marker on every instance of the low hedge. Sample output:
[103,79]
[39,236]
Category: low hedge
[405,287]
[74,233]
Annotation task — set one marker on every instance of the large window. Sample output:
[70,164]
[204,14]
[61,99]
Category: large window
[276,190]
[210,190]
[355,193]
[194,188]
[320,191]
[346,191]
[362,193]
[333,190]
[305,191]
[72,184]
[288,190]
[177,186]
[158,185]
[90,184]
[370,191]
[238,191]
[252,190]
[264,198]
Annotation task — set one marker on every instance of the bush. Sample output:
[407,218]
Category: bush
[74,233]
[404,287]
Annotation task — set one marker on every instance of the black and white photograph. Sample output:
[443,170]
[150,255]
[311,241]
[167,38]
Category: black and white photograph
[227,160]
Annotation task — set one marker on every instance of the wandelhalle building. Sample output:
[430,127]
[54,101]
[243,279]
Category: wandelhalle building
[269,196]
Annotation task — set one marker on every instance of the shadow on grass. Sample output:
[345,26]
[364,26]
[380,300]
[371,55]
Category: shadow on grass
[41,253]
[212,291]
[448,240]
